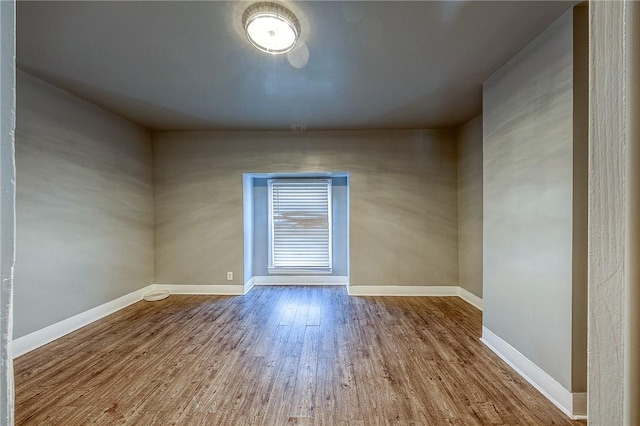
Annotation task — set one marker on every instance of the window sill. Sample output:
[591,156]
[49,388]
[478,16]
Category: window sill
[300,271]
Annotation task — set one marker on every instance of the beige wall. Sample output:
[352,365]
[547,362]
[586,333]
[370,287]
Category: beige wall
[469,149]
[402,200]
[580,195]
[84,206]
[528,203]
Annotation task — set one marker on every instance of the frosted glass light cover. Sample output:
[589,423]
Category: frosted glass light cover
[271,28]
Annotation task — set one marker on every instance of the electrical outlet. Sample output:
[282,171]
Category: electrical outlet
[229,276]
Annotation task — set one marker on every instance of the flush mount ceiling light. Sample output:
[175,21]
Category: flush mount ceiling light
[270,27]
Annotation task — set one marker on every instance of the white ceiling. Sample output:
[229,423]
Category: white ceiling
[371,64]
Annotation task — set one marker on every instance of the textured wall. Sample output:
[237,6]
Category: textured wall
[469,148]
[402,189]
[84,206]
[528,182]
[632,329]
[7,203]
[607,204]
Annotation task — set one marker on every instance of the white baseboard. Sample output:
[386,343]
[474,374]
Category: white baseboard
[248,285]
[204,289]
[573,405]
[31,341]
[470,298]
[300,280]
[402,290]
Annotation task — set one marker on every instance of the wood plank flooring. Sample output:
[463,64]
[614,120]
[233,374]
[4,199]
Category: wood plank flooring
[279,355]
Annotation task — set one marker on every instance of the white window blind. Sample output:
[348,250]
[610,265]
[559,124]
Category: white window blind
[300,225]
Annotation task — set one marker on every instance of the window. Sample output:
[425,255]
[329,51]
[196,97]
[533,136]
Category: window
[300,226]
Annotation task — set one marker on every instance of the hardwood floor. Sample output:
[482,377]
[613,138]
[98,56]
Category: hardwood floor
[279,355]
